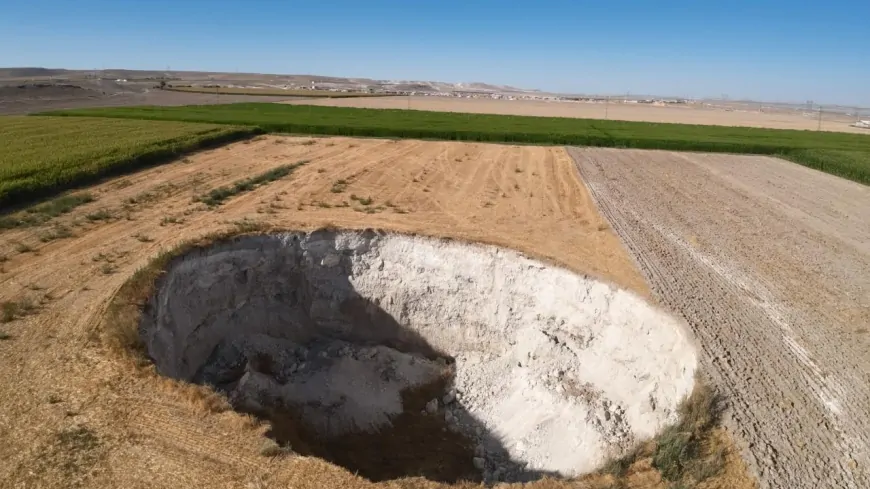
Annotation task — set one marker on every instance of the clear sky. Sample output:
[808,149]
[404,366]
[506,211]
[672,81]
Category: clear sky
[772,50]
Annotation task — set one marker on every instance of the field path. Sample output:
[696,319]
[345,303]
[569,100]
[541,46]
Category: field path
[769,262]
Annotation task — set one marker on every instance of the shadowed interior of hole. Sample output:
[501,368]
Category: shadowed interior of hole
[398,356]
[415,444]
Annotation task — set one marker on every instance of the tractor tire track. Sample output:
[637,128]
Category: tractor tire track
[772,275]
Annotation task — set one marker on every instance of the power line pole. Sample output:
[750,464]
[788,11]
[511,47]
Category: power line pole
[820,118]
[606,106]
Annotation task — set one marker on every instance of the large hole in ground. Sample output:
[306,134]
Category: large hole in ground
[397,356]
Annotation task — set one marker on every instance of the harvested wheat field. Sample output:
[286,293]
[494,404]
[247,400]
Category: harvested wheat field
[614,111]
[770,265]
[81,408]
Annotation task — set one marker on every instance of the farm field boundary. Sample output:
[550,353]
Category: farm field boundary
[44,156]
[841,154]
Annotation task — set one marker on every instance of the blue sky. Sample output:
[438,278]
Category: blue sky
[765,49]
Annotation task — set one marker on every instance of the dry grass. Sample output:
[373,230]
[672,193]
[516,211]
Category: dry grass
[219,195]
[12,310]
[686,455]
[42,213]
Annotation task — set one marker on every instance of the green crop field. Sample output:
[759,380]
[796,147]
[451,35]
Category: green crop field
[41,156]
[272,92]
[846,155]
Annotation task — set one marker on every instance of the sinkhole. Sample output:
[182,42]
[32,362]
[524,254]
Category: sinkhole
[396,356]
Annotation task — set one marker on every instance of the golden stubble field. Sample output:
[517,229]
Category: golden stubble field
[75,414]
[582,110]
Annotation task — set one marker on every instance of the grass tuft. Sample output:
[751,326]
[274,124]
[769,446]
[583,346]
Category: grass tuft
[46,211]
[171,220]
[219,195]
[679,454]
[362,200]
[246,226]
[270,448]
[12,310]
[57,232]
[23,247]
[682,453]
[339,186]
[100,215]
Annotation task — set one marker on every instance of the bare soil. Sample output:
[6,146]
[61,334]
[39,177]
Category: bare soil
[693,114]
[73,414]
[769,262]
[25,98]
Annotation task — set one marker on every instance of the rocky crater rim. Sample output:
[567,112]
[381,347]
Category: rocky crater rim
[544,371]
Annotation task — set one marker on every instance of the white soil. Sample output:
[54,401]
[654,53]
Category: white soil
[552,372]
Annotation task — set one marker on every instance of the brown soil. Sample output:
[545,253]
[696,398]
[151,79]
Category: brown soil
[769,262]
[29,98]
[72,414]
[617,111]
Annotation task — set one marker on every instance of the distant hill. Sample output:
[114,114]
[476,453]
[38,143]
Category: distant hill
[200,77]
[30,72]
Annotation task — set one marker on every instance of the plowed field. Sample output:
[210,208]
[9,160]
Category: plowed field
[769,263]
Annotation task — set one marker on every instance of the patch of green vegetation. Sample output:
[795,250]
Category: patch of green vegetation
[679,451]
[854,165]
[219,195]
[836,153]
[42,213]
[682,453]
[43,156]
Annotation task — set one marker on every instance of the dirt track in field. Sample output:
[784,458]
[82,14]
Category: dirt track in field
[769,262]
[615,111]
[72,415]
